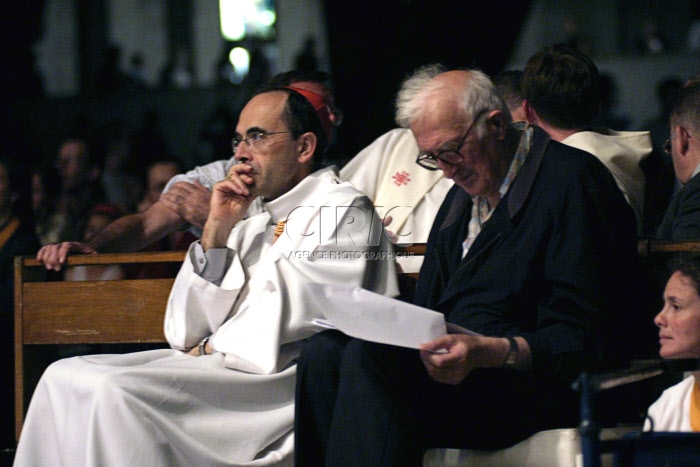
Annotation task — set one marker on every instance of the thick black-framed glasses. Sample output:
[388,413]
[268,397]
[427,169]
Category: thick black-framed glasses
[254,139]
[449,156]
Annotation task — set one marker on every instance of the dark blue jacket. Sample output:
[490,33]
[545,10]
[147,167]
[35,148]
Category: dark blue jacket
[682,218]
[556,263]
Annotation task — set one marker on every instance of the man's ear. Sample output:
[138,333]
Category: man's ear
[497,120]
[683,139]
[307,147]
[530,113]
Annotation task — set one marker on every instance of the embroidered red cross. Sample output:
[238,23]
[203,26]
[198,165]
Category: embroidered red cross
[401,178]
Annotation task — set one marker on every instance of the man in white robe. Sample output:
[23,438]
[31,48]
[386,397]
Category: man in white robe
[403,193]
[185,199]
[236,316]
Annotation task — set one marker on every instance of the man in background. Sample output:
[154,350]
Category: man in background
[509,87]
[682,218]
[562,89]
[79,165]
[534,249]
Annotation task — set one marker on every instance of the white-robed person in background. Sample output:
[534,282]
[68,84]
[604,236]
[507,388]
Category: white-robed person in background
[236,316]
[405,194]
[678,408]
[406,197]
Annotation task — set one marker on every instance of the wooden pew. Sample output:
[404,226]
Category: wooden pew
[128,311]
[649,248]
[51,312]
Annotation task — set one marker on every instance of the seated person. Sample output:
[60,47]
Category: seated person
[185,201]
[562,90]
[409,195]
[509,88]
[681,220]
[678,408]
[534,248]
[406,197]
[236,317]
[80,162]
[158,173]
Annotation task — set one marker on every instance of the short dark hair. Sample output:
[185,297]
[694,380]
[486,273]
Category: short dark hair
[687,264]
[94,152]
[300,117]
[296,76]
[166,158]
[687,108]
[508,86]
[563,85]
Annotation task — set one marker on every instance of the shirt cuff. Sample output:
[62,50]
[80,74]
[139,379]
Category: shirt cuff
[210,264]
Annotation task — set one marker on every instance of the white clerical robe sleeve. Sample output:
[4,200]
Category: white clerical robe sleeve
[185,322]
[349,247]
[260,313]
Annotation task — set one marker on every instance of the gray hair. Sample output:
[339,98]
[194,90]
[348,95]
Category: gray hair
[477,95]
[686,112]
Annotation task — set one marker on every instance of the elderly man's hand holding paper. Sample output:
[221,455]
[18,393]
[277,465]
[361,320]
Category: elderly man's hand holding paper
[450,358]
[373,317]
[449,352]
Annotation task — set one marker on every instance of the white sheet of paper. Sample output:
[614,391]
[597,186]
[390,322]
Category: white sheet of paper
[373,317]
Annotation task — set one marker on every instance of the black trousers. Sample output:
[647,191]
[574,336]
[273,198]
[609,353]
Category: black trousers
[367,404]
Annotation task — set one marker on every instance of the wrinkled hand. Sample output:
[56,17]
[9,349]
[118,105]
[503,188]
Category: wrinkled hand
[450,358]
[190,201]
[54,255]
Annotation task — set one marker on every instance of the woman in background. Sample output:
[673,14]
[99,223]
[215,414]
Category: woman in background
[678,408]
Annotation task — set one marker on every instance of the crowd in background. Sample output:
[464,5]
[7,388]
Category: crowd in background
[98,175]
[126,165]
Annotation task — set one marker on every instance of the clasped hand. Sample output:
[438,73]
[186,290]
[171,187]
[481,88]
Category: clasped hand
[189,200]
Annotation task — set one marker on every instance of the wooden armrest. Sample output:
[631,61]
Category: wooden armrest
[115,258]
[416,248]
[648,247]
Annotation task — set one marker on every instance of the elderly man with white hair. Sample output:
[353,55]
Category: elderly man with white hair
[533,249]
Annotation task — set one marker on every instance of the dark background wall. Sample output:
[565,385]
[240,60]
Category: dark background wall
[373,45]
[20,27]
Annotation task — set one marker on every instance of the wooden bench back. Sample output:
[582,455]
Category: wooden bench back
[128,311]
